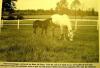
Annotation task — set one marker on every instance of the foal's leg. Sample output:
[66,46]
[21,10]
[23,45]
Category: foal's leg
[42,30]
[45,31]
[34,30]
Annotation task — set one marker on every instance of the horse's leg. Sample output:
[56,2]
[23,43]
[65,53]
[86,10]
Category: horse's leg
[61,34]
[64,32]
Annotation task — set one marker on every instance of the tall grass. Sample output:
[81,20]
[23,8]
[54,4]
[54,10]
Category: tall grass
[23,45]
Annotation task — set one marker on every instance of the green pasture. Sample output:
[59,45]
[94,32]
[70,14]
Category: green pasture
[23,45]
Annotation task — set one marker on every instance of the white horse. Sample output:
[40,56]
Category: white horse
[63,20]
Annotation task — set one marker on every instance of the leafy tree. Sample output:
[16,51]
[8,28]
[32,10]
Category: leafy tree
[62,6]
[93,11]
[75,4]
[8,6]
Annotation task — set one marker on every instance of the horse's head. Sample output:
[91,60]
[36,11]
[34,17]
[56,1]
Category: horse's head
[71,34]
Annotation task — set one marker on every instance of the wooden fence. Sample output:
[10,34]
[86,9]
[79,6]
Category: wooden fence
[76,23]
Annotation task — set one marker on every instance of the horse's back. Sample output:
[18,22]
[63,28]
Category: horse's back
[61,19]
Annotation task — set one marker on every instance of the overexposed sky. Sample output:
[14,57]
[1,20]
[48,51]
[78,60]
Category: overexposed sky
[47,4]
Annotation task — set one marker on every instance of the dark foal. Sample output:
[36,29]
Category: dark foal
[41,24]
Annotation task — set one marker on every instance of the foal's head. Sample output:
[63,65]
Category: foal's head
[48,21]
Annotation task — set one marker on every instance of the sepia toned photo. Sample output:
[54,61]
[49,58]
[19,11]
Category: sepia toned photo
[55,31]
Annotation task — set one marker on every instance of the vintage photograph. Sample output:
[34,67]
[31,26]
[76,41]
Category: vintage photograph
[55,31]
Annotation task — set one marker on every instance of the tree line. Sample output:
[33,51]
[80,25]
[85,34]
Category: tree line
[70,12]
[9,11]
[21,13]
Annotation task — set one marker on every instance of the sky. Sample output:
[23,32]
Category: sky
[48,4]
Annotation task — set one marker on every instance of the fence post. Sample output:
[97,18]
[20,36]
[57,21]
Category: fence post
[18,24]
[75,24]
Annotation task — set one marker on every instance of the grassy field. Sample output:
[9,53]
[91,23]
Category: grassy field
[23,45]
